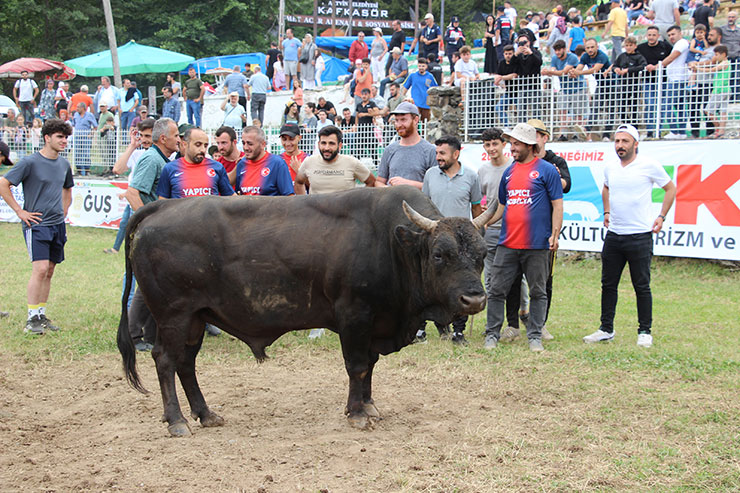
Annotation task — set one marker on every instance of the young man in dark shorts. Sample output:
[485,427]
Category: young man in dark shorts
[47,190]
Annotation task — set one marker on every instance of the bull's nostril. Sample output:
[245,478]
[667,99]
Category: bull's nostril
[472,300]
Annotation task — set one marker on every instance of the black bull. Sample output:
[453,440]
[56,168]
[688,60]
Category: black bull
[361,263]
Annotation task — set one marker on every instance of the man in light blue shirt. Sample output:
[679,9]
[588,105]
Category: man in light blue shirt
[128,101]
[83,123]
[259,84]
[171,105]
[236,82]
[570,103]
[291,49]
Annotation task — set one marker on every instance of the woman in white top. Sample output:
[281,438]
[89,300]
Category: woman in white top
[378,54]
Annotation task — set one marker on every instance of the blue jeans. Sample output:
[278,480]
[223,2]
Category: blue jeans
[122,228]
[387,81]
[674,108]
[502,107]
[633,14]
[651,105]
[194,110]
[126,118]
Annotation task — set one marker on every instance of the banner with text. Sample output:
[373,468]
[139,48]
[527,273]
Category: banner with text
[704,222]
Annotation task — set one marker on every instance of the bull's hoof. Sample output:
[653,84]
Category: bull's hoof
[179,429]
[371,410]
[211,419]
[360,422]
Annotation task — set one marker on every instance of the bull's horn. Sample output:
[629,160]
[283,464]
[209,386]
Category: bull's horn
[483,219]
[423,222]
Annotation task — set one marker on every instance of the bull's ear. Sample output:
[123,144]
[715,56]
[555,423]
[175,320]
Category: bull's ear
[406,237]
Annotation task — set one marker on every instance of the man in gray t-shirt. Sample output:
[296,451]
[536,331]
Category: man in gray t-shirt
[406,161]
[47,190]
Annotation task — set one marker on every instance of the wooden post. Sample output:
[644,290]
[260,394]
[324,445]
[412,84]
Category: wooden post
[315,18]
[416,19]
[112,43]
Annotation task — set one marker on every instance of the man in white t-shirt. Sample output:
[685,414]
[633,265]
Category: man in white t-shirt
[510,12]
[107,94]
[631,222]
[25,91]
[465,70]
[676,94]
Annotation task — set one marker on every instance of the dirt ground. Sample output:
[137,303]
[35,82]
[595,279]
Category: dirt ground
[448,424]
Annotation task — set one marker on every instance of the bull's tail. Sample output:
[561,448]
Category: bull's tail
[123,338]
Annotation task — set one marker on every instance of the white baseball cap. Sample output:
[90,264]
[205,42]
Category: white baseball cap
[629,129]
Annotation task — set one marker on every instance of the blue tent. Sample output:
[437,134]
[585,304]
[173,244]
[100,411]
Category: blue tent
[335,68]
[227,61]
[340,44]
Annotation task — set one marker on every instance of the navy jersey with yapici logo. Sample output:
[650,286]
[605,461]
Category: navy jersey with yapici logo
[266,176]
[181,178]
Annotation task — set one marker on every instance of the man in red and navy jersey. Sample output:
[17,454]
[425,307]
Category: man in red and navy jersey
[531,209]
[193,175]
[290,137]
[259,172]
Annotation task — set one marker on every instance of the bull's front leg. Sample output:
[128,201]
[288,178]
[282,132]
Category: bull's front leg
[367,388]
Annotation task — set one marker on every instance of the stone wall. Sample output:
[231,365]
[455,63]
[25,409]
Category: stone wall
[446,113]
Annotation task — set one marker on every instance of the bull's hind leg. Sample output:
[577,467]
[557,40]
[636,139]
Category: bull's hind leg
[186,372]
[169,354]
[367,388]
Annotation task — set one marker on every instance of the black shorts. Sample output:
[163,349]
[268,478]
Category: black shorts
[46,242]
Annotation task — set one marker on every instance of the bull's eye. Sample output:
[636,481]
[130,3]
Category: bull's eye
[438,257]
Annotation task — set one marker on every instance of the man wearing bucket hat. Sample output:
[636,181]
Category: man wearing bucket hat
[531,209]
[630,220]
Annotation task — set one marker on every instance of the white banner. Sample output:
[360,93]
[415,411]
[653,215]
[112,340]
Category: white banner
[95,203]
[704,222]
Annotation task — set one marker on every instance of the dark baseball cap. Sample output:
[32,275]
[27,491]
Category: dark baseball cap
[5,151]
[184,128]
[290,129]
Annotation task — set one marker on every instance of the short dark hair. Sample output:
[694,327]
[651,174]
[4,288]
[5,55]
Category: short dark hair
[146,124]
[700,27]
[346,109]
[365,60]
[558,45]
[422,60]
[673,28]
[167,88]
[717,31]
[55,126]
[331,130]
[311,105]
[653,28]
[492,134]
[365,90]
[212,150]
[509,48]
[395,84]
[721,49]
[226,130]
[450,140]
[172,74]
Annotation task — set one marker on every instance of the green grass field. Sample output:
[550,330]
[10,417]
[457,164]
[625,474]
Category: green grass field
[663,418]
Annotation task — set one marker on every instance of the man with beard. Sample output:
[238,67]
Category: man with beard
[530,199]
[193,175]
[259,172]
[699,94]
[628,216]
[405,161]
[290,137]
[230,153]
[655,50]
[456,192]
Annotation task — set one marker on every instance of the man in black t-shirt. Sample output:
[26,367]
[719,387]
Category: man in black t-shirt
[272,56]
[654,50]
[365,111]
[398,39]
[505,76]
[328,106]
[704,14]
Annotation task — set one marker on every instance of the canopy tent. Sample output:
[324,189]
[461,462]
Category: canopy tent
[59,71]
[340,44]
[226,61]
[133,58]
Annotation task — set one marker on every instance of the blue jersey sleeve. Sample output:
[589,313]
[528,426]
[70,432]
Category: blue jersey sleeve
[164,187]
[407,84]
[222,183]
[239,172]
[282,178]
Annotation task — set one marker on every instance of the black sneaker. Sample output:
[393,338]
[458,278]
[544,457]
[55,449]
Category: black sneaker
[421,337]
[4,314]
[458,338]
[212,330]
[47,324]
[34,326]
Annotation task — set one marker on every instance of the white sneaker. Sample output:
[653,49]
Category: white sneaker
[681,136]
[546,336]
[644,340]
[671,136]
[315,333]
[598,336]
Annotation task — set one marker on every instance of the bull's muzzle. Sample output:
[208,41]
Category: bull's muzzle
[473,303]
